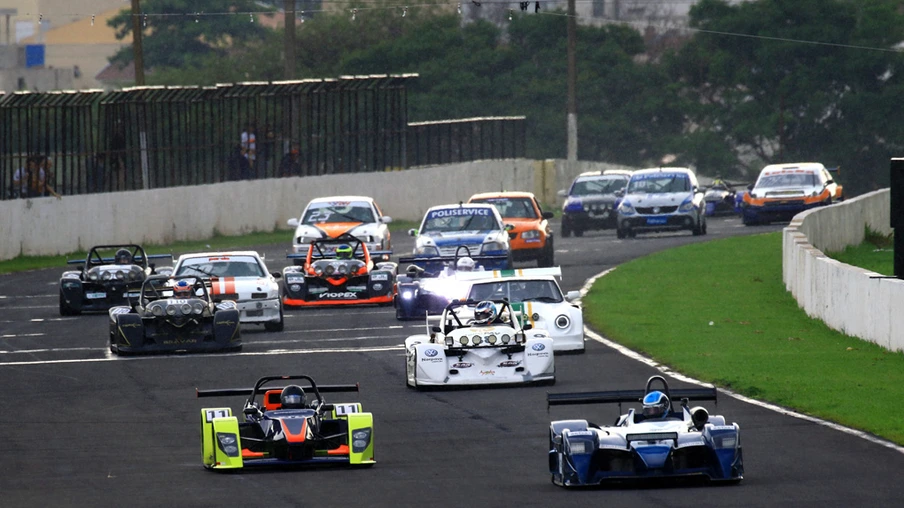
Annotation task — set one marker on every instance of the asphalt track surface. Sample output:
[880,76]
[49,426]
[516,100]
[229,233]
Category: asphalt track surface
[86,428]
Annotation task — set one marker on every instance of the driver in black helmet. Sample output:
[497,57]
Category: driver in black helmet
[292,397]
[123,257]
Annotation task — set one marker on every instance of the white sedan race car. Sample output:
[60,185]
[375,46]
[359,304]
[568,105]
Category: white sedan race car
[536,295]
[457,351]
[240,276]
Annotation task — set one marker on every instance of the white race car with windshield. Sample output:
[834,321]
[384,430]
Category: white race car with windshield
[240,276]
[479,343]
[535,295]
[330,217]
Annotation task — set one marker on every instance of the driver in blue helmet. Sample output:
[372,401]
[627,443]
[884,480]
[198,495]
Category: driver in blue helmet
[656,405]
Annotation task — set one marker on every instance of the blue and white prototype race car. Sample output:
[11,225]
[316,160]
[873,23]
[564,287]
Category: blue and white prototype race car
[662,441]
[476,227]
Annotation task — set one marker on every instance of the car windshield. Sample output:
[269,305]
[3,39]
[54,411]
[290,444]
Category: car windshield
[338,211]
[512,208]
[517,291]
[787,180]
[221,266]
[459,219]
[659,183]
[588,186]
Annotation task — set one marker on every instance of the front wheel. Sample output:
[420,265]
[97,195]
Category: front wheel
[276,326]
[566,228]
[547,257]
[65,309]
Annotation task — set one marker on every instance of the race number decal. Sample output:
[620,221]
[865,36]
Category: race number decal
[345,409]
[216,413]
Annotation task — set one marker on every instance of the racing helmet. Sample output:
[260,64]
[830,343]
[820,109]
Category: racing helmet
[465,264]
[292,397]
[344,251]
[123,257]
[484,312]
[656,405]
[182,289]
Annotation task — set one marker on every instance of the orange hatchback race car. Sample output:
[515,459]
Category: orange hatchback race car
[532,238]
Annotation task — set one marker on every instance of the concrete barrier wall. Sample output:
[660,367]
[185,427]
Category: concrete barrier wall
[47,226]
[845,297]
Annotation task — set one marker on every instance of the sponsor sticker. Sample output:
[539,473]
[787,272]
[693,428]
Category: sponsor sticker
[95,296]
[379,276]
[509,363]
[656,220]
[581,433]
[723,427]
[456,212]
[462,365]
[346,295]
[488,373]
[345,409]
[216,413]
[430,352]
[538,347]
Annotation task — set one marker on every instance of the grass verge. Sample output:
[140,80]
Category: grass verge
[876,253]
[719,311]
[218,242]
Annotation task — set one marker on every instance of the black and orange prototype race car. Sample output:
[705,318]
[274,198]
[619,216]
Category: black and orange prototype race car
[347,278]
[310,432]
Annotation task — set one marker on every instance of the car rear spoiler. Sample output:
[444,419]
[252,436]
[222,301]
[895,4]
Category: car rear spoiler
[110,261]
[225,392]
[624,396]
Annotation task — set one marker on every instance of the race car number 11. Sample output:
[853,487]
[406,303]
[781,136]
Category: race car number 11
[216,413]
[345,409]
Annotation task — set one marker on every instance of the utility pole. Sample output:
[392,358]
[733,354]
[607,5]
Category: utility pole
[572,84]
[137,50]
[289,9]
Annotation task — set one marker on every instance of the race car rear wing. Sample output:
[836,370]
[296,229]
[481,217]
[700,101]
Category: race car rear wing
[225,392]
[435,264]
[110,261]
[624,396]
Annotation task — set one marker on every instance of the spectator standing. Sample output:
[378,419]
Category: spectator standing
[22,177]
[48,176]
[266,153]
[237,164]
[290,165]
[249,144]
[117,158]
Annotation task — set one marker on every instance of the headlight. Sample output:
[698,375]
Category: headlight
[158,310]
[426,250]
[171,310]
[586,208]
[361,439]
[491,339]
[92,276]
[330,270]
[492,246]
[476,340]
[579,447]
[228,444]
[120,275]
[318,270]
[406,295]
[185,308]
[562,321]
[463,341]
[342,269]
[106,276]
[197,307]
[529,235]
[687,206]
[506,338]
[626,208]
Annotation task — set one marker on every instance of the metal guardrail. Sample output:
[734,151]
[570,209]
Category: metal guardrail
[153,137]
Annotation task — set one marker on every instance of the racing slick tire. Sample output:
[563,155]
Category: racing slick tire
[700,227]
[547,257]
[620,233]
[566,228]
[65,309]
[578,232]
[510,261]
[276,326]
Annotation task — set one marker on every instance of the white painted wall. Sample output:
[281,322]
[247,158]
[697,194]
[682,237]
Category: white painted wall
[47,226]
[845,297]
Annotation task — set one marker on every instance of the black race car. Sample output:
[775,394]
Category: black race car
[174,314]
[338,271]
[106,277]
[287,426]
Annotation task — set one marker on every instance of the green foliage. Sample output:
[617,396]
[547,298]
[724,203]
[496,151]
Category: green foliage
[177,40]
[772,95]
[876,253]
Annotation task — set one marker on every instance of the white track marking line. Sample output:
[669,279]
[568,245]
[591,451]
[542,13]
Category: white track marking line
[681,377]
[112,358]
[21,335]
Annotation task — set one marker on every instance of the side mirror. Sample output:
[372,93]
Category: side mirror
[327,407]
[562,193]
[436,329]
[293,222]
[412,232]
[250,410]
[620,193]
[385,220]
[572,295]
[509,227]
[548,215]
[276,275]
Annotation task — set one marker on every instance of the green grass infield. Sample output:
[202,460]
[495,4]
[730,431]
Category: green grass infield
[719,312]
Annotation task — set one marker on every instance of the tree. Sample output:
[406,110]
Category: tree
[176,35]
[781,81]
